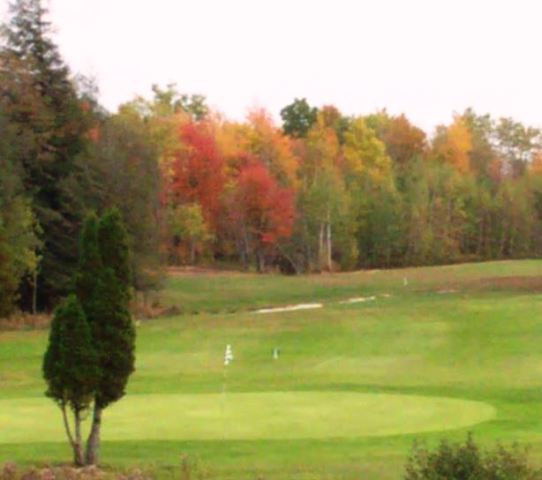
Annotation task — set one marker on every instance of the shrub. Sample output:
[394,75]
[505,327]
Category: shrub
[467,461]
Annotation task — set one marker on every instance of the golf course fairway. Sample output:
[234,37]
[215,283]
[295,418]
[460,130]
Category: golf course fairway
[249,416]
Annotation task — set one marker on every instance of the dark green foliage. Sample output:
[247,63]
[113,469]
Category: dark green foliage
[123,172]
[169,99]
[466,461]
[298,118]
[91,351]
[112,328]
[18,242]
[90,264]
[70,362]
[114,337]
[102,285]
[113,332]
[42,105]
[114,251]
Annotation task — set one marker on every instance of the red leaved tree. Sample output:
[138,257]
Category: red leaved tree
[197,172]
[261,212]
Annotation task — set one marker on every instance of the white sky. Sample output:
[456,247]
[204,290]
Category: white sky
[426,58]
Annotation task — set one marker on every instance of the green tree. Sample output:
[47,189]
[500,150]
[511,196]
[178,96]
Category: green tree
[42,104]
[114,249]
[18,240]
[483,155]
[367,169]
[70,368]
[90,266]
[324,201]
[298,118]
[122,171]
[516,143]
[112,329]
[187,225]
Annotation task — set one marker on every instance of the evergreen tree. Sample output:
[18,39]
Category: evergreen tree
[70,368]
[18,242]
[90,265]
[43,105]
[122,170]
[112,328]
[298,118]
[114,250]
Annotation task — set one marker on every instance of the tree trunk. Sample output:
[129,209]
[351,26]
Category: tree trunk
[328,247]
[260,261]
[246,249]
[290,259]
[192,252]
[78,456]
[67,425]
[321,246]
[35,292]
[93,442]
[75,442]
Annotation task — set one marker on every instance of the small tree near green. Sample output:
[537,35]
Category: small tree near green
[70,368]
[90,265]
[114,250]
[91,348]
[112,329]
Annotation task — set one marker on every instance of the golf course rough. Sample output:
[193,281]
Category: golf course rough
[249,416]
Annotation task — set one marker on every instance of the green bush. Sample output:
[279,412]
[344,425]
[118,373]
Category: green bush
[467,461]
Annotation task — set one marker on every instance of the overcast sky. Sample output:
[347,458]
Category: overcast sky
[426,58]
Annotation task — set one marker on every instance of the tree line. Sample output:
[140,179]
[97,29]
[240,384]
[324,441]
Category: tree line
[322,191]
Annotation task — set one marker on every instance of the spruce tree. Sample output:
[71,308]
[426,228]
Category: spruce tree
[70,368]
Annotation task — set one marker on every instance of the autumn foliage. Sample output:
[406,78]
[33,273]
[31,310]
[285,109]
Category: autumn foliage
[197,170]
[261,209]
[318,191]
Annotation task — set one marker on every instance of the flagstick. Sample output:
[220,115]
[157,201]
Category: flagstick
[228,357]
[224,402]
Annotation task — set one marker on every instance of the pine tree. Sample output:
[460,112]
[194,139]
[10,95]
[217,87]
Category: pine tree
[70,368]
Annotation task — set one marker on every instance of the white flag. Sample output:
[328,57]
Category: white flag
[228,355]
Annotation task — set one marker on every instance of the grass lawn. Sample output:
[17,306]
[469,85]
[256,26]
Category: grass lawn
[446,351]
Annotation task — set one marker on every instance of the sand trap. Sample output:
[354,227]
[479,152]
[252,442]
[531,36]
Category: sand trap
[358,300]
[291,308]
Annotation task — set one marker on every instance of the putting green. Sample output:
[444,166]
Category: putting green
[266,415]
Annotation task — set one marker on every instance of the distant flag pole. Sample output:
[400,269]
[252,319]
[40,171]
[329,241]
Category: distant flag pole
[228,358]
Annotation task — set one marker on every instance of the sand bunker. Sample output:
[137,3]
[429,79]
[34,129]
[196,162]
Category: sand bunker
[358,300]
[291,308]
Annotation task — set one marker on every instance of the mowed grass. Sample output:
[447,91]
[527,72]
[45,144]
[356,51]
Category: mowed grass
[253,416]
[455,350]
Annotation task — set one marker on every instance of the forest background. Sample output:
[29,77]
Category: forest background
[321,191]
